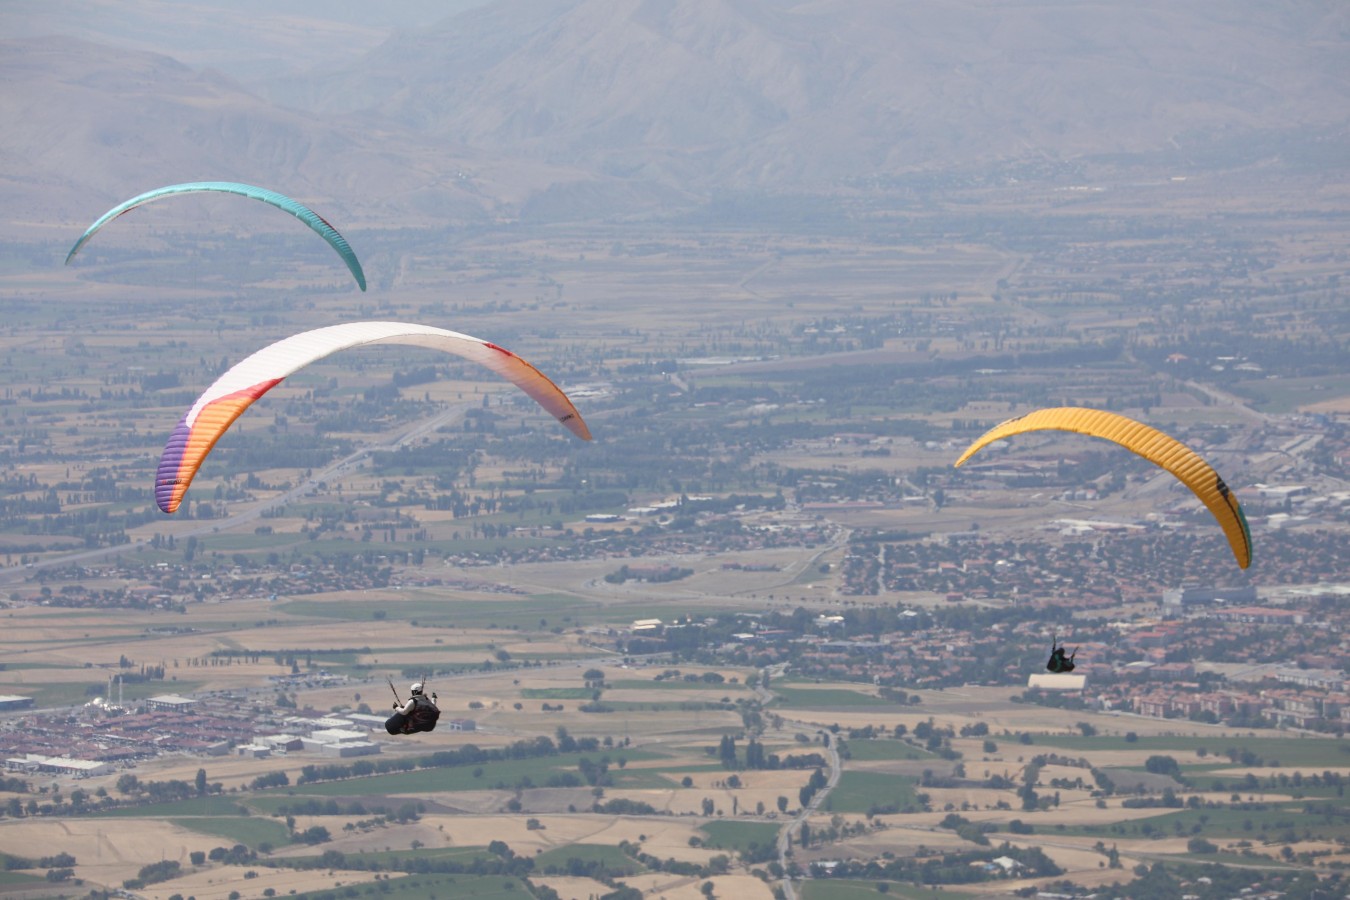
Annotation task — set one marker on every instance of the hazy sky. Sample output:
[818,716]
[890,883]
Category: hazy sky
[242,38]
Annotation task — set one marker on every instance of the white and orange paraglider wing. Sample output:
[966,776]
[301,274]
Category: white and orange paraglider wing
[225,400]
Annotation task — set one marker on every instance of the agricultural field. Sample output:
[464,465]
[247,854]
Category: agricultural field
[846,624]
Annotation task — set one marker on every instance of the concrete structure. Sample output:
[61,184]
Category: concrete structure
[321,722]
[349,749]
[1322,679]
[10,702]
[463,725]
[170,703]
[60,765]
[334,736]
[281,742]
[1180,598]
[1058,681]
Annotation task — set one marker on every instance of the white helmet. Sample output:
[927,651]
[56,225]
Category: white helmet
[416,688]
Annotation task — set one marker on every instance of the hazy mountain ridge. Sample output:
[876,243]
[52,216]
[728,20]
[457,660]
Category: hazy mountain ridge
[246,39]
[556,109]
[91,125]
[752,93]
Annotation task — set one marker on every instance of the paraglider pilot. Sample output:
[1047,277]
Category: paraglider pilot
[418,714]
[1058,661]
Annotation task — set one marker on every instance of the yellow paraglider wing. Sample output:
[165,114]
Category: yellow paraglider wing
[1150,443]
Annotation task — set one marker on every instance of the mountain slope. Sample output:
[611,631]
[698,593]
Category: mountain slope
[549,110]
[89,125]
[762,94]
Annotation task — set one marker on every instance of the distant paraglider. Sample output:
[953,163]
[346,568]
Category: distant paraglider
[1061,661]
[232,393]
[1158,448]
[280,201]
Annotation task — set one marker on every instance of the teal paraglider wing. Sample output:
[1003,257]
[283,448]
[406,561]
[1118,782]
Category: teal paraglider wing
[315,221]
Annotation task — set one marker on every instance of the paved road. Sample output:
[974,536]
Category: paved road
[792,828]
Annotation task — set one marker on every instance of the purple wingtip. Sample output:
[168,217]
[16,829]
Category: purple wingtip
[166,478]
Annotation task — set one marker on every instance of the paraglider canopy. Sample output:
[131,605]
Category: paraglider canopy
[1150,443]
[223,402]
[315,221]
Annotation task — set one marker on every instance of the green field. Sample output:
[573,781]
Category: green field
[845,889]
[825,698]
[1319,753]
[739,836]
[1282,822]
[675,684]
[858,792]
[213,806]
[398,859]
[869,751]
[1284,395]
[251,831]
[422,887]
[612,857]
[452,778]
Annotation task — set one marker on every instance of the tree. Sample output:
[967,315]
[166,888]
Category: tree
[1163,765]
[315,835]
[726,752]
[566,743]
[1030,800]
[1200,845]
[201,782]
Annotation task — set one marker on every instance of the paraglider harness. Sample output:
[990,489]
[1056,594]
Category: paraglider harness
[1058,661]
[422,717]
